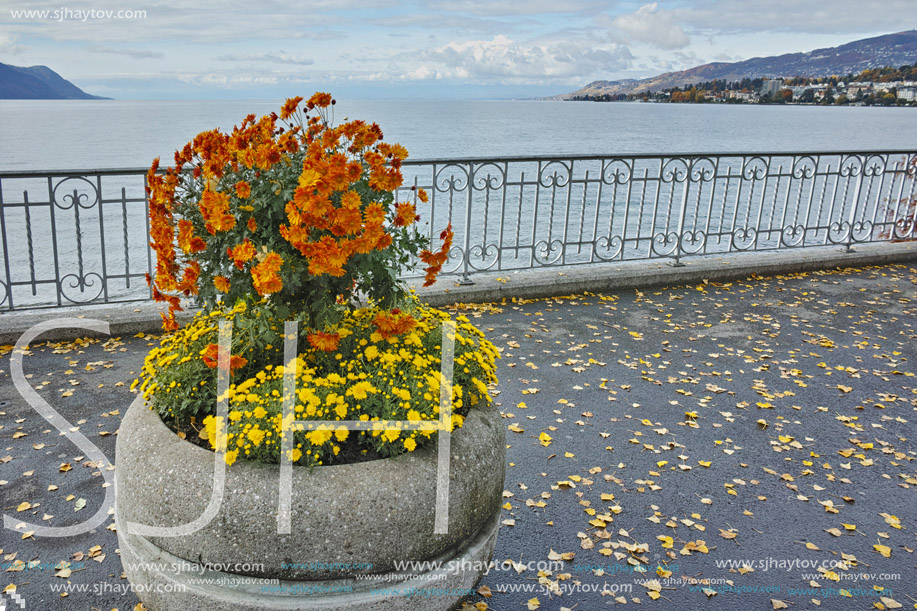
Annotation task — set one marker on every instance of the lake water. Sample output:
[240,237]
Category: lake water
[95,134]
[92,242]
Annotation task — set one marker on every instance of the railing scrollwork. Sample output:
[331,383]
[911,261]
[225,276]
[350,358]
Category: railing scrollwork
[72,237]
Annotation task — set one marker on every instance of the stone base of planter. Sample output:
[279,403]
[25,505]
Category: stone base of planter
[352,525]
[169,583]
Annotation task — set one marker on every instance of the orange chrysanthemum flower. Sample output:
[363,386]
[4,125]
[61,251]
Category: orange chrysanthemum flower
[214,208]
[326,342]
[187,241]
[325,257]
[316,208]
[264,275]
[436,260]
[211,357]
[395,151]
[350,199]
[347,221]
[173,300]
[188,284]
[384,241]
[328,219]
[242,253]
[221,283]
[309,178]
[243,189]
[320,99]
[289,107]
[185,233]
[169,323]
[405,214]
[374,214]
[385,179]
[267,155]
[393,323]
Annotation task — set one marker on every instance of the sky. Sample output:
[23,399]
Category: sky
[420,49]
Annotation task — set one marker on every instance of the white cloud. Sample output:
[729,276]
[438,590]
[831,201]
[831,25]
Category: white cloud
[274,58]
[807,16]
[670,62]
[135,53]
[503,60]
[441,21]
[652,25]
[325,34]
[9,44]
[229,81]
[422,73]
[446,43]
[514,7]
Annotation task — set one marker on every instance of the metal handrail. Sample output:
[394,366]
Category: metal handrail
[441,160]
[80,236]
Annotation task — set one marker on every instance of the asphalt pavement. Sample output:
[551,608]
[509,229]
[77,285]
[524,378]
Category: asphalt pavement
[718,446]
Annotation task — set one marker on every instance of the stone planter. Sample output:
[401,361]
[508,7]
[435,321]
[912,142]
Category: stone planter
[351,525]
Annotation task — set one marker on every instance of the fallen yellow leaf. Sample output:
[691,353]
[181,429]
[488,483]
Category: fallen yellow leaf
[884,550]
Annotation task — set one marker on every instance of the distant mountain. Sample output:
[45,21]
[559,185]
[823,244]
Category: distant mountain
[38,83]
[851,58]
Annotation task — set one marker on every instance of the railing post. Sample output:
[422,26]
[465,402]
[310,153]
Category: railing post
[853,209]
[681,214]
[466,248]
[8,286]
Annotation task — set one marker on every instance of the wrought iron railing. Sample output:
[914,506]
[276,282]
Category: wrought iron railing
[75,237]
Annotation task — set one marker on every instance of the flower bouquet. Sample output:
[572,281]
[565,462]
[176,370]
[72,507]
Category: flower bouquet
[287,230]
[289,217]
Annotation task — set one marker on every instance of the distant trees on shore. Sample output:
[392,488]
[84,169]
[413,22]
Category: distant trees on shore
[886,86]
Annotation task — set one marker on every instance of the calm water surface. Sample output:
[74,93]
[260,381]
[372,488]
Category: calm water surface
[90,135]
[77,134]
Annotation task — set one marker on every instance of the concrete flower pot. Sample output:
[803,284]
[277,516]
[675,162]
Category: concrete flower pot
[351,525]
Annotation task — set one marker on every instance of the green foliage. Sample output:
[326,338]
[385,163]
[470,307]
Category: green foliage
[368,376]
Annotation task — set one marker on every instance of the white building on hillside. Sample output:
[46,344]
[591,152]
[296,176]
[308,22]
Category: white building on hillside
[771,86]
[907,91]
